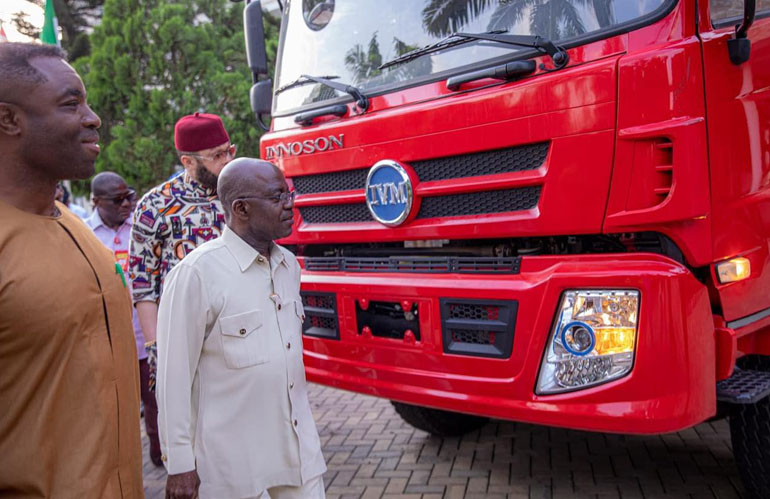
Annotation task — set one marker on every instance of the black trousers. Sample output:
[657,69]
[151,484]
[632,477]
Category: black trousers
[150,410]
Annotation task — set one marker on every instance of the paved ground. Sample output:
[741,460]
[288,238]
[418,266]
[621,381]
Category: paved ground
[371,453]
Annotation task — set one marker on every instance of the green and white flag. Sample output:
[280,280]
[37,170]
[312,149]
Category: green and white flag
[50,33]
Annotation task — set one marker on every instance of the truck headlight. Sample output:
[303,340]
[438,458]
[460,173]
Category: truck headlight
[592,342]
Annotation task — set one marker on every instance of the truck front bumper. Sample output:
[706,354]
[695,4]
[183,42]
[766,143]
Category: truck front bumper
[671,386]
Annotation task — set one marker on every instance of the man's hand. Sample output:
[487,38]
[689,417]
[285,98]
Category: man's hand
[183,485]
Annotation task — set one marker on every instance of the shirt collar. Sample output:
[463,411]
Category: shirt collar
[94,221]
[245,254]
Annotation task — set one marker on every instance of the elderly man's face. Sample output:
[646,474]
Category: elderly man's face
[59,129]
[273,215]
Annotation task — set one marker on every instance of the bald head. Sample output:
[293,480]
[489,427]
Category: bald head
[244,177]
[257,202]
[19,75]
[104,183]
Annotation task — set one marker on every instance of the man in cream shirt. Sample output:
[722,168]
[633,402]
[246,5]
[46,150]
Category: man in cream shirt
[234,416]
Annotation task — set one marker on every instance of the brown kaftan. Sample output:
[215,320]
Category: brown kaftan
[69,389]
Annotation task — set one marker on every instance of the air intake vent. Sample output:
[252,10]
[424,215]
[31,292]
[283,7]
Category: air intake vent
[331,182]
[416,264]
[480,203]
[320,315]
[479,328]
[514,159]
[335,213]
[652,173]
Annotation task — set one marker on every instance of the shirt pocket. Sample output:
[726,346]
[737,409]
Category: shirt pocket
[244,343]
[300,310]
[299,316]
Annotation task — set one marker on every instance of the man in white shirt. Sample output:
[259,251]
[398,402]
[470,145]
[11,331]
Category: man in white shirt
[234,416]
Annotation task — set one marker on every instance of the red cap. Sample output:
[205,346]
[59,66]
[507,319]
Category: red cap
[199,131]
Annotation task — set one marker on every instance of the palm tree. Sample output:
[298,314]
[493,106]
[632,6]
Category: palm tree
[443,17]
[364,64]
[555,19]
[413,69]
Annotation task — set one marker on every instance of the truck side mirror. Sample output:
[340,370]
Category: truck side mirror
[261,96]
[254,33]
[739,47]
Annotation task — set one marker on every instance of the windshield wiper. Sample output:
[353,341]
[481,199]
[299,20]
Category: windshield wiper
[558,54]
[302,81]
[362,101]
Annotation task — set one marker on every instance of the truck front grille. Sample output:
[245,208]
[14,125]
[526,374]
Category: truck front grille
[512,159]
[455,205]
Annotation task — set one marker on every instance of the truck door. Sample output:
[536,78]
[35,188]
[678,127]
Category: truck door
[738,121]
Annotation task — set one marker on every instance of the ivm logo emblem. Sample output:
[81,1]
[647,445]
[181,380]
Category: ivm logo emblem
[389,193]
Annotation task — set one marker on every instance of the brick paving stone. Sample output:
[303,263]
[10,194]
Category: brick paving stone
[372,454]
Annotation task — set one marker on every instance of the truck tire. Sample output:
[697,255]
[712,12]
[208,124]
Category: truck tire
[438,422]
[750,435]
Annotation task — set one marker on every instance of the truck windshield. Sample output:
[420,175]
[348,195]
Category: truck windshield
[351,39]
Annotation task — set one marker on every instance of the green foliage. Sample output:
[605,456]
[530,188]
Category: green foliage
[153,61]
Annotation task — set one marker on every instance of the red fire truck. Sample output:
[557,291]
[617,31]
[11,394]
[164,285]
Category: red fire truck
[551,211]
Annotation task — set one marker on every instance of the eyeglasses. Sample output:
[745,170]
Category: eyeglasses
[118,200]
[217,156]
[283,198]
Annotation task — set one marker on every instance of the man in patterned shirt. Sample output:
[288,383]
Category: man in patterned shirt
[176,216]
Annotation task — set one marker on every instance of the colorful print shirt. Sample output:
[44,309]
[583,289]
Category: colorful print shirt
[169,222]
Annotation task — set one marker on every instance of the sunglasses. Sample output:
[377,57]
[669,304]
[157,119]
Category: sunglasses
[119,200]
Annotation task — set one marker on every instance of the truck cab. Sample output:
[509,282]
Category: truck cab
[551,211]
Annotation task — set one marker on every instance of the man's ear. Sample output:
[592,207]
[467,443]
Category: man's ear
[240,209]
[187,161]
[10,119]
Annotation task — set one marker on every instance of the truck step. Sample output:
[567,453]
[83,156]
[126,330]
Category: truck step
[744,387]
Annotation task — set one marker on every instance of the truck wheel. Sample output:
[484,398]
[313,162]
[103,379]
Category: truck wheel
[750,435]
[754,362]
[438,422]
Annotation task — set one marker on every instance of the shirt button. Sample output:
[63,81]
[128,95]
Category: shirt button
[260,259]
[279,306]
[291,385]
[164,458]
[288,346]
[295,422]
[242,331]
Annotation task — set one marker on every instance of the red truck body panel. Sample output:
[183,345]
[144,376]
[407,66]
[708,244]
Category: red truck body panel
[653,130]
